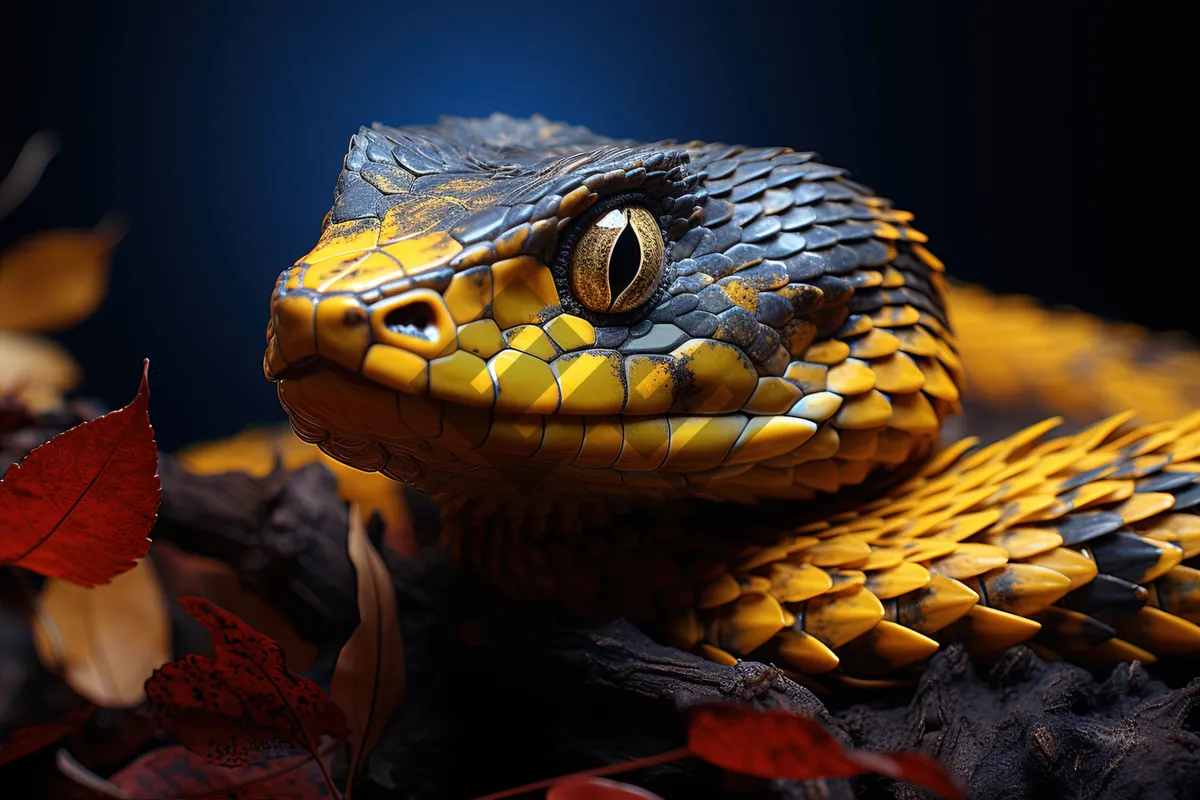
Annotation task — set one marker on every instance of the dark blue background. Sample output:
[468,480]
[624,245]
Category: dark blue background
[1037,143]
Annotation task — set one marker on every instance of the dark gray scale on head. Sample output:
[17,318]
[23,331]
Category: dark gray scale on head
[356,200]
[660,338]
[718,240]
[611,337]
[674,308]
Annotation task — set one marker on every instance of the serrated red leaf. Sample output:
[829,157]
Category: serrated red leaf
[243,704]
[175,772]
[32,738]
[597,789]
[81,506]
[779,744]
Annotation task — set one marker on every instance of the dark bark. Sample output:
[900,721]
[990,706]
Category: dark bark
[285,537]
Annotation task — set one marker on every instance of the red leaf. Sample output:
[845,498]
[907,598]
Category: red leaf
[597,789]
[174,772]
[81,506]
[916,767]
[32,738]
[244,703]
[779,744]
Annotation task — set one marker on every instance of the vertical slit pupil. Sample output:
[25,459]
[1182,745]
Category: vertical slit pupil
[624,262]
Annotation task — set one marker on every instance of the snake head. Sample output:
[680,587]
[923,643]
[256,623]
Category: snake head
[502,304]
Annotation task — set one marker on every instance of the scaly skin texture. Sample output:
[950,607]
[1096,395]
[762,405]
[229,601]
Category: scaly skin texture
[743,462]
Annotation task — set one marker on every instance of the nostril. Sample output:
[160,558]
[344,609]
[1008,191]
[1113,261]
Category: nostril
[417,319]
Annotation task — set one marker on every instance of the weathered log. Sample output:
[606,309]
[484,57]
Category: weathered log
[283,534]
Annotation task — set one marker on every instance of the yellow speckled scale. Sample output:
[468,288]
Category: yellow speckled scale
[703,386]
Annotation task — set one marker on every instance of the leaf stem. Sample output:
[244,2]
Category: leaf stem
[309,744]
[611,769]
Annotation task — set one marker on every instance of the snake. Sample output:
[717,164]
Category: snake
[704,386]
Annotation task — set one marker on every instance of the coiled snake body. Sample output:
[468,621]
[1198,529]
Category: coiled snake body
[702,385]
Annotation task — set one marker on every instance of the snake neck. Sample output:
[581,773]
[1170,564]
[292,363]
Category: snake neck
[612,554]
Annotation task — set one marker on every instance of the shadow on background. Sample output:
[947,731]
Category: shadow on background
[1037,144]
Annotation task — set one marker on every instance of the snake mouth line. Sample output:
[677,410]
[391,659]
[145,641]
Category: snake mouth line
[311,365]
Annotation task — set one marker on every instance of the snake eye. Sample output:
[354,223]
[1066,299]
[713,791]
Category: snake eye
[617,262]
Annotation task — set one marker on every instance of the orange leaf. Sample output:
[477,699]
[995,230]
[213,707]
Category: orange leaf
[81,506]
[779,744]
[106,640]
[32,738]
[244,703]
[36,371]
[256,450]
[53,280]
[598,789]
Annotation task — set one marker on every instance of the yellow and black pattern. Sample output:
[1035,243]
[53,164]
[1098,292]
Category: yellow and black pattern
[740,457]
[1076,544]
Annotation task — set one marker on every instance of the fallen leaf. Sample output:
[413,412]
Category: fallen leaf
[243,704]
[592,774]
[36,371]
[32,738]
[598,789]
[368,682]
[175,772]
[106,641]
[254,451]
[780,744]
[81,506]
[55,279]
[27,170]
[185,574]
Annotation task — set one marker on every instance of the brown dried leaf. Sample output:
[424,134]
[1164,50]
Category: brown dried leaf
[368,683]
[106,640]
[55,279]
[27,170]
[35,371]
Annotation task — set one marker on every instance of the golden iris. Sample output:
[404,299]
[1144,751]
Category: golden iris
[618,261]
